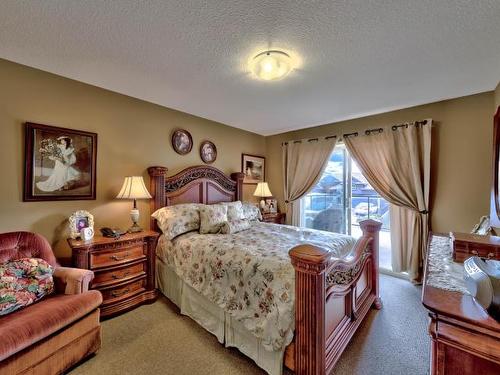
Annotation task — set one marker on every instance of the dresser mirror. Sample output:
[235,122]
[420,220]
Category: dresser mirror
[495,197]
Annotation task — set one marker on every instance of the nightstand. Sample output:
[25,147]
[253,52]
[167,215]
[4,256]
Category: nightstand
[277,218]
[124,269]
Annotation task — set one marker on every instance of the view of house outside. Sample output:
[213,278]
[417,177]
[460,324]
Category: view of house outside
[327,206]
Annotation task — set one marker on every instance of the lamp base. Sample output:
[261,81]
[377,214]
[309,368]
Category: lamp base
[134,215]
[134,228]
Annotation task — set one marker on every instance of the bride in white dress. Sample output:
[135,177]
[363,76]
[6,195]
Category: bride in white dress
[63,172]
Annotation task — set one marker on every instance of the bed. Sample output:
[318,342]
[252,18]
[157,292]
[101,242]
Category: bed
[322,284]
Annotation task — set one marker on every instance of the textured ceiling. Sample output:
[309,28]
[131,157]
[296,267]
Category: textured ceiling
[355,57]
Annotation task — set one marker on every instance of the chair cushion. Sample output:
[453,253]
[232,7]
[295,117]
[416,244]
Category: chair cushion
[23,282]
[33,323]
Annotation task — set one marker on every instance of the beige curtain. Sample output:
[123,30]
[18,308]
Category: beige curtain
[396,163]
[303,165]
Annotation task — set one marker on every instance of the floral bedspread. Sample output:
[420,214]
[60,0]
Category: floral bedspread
[249,273]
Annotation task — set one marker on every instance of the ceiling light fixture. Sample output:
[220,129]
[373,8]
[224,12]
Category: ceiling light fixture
[271,65]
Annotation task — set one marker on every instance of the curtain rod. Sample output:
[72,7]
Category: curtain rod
[367,132]
[309,139]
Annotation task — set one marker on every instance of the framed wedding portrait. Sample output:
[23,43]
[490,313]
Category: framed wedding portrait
[60,163]
[253,167]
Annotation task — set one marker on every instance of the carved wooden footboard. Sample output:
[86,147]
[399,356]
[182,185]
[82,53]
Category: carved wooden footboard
[332,297]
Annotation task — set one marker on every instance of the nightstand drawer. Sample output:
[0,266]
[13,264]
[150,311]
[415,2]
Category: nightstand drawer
[112,295]
[117,275]
[277,218]
[111,258]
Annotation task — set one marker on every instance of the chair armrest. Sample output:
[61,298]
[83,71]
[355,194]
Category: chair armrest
[72,280]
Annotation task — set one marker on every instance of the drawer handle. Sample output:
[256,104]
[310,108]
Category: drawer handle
[116,257]
[125,274]
[489,256]
[116,293]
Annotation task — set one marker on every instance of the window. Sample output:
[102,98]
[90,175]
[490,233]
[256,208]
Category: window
[342,198]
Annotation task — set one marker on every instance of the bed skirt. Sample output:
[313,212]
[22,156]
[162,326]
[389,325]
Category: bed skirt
[215,320]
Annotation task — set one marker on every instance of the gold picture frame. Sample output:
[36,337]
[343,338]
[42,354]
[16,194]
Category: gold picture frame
[79,220]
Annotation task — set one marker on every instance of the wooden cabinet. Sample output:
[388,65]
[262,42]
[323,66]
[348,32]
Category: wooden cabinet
[466,245]
[277,218]
[464,338]
[124,269]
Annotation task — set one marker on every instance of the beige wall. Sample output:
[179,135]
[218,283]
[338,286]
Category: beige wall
[461,158]
[132,135]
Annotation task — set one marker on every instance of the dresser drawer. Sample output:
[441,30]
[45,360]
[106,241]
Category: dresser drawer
[101,259]
[118,275]
[463,251]
[118,293]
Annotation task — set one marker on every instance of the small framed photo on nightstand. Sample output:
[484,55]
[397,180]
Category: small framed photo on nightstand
[271,205]
[78,221]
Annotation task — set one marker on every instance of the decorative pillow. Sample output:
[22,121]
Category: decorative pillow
[251,211]
[212,218]
[234,210]
[23,282]
[178,219]
[235,226]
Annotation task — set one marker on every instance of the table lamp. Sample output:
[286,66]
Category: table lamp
[134,188]
[262,191]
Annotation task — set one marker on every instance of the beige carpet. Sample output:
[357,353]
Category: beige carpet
[155,339]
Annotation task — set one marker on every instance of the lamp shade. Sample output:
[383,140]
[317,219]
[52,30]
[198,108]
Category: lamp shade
[262,190]
[134,188]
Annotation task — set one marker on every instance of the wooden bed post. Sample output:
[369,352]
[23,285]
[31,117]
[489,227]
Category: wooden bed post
[371,228]
[157,190]
[238,178]
[310,263]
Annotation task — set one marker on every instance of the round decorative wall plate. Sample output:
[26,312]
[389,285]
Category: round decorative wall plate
[182,142]
[208,152]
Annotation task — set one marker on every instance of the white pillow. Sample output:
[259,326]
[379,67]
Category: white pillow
[212,218]
[251,211]
[234,210]
[178,219]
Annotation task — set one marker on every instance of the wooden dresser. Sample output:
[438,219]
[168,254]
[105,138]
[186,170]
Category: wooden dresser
[124,269]
[466,245]
[464,338]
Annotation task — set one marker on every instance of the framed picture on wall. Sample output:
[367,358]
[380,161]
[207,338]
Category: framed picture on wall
[182,142]
[254,168]
[60,163]
[208,152]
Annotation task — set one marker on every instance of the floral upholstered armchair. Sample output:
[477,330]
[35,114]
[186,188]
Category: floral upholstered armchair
[49,320]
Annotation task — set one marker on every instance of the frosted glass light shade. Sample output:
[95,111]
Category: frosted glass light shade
[271,65]
[262,190]
[134,188]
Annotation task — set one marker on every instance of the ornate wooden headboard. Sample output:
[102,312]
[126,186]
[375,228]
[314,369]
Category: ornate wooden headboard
[198,184]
